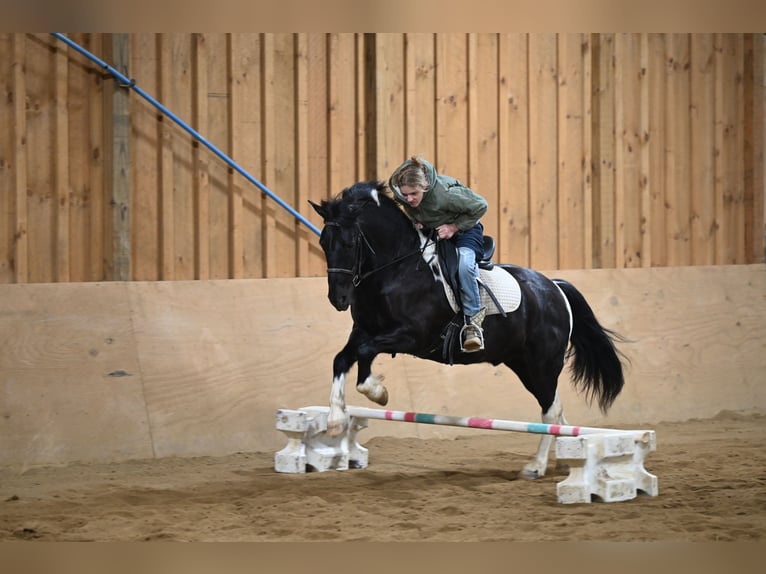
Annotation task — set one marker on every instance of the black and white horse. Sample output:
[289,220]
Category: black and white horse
[381,266]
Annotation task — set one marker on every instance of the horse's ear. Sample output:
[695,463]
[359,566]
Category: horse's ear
[320,209]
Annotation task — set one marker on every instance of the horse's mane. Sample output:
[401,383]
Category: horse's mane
[346,207]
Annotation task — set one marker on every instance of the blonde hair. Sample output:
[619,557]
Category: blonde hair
[413,174]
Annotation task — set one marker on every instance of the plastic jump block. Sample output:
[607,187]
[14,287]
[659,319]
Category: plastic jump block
[603,463]
[309,446]
[609,466]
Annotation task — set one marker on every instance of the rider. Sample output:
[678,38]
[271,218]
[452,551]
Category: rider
[443,203]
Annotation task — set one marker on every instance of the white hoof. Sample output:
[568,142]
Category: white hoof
[374,390]
[336,428]
[337,421]
[532,472]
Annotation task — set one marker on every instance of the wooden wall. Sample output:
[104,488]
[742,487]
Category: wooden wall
[594,150]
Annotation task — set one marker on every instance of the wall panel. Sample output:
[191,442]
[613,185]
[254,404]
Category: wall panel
[593,150]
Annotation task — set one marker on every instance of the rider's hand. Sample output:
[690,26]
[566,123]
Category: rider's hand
[447,230]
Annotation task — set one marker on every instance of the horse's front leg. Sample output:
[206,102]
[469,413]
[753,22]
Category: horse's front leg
[337,420]
[400,340]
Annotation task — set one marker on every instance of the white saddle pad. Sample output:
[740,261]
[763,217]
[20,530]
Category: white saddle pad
[503,285]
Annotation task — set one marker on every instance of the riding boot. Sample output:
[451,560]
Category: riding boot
[472,332]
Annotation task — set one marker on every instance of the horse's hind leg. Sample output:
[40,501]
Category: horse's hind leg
[537,466]
[541,382]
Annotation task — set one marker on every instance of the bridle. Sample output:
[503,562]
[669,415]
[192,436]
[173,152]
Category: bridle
[360,239]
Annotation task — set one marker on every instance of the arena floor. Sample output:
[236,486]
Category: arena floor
[712,484]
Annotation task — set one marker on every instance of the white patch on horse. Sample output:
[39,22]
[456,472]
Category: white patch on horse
[538,466]
[374,195]
[569,309]
[373,389]
[431,257]
[336,418]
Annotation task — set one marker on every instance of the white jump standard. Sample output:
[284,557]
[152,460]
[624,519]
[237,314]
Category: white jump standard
[602,462]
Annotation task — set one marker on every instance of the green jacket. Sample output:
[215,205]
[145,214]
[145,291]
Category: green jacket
[447,200]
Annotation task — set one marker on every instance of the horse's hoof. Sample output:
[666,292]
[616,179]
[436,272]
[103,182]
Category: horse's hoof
[530,473]
[382,400]
[374,390]
[336,428]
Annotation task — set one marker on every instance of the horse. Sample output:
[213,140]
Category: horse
[381,265]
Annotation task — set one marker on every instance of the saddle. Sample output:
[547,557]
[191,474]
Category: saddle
[448,260]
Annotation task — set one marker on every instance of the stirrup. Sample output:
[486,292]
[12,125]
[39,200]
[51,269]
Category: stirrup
[478,331]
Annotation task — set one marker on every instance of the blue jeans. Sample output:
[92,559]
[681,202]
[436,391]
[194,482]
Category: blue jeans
[468,272]
[470,246]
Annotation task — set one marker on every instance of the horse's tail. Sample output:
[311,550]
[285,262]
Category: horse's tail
[597,363]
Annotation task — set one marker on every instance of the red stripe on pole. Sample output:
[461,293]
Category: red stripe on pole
[480,423]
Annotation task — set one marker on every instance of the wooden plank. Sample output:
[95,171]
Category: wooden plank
[302,173]
[96,144]
[181,191]
[318,166]
[268,208]
[451,105]
[147,169]
[61,161]
[120,203]
[646,157]
[19,159]
[656,149]
[572,154]
[604,152]
[703,224]
[360,117]
[41,202]
[240,81]
[420,137]
[7,164]
[483,129]
[84,155]
[628,191]
[513,232]
[245,129]
[543,151]
[587,164]
[201,178]
[753,145]
[678,146]
[729,160]
[342,116]
[217,131]
[283,144]
[167,162]
[78,162]
[390,103]
[738,161]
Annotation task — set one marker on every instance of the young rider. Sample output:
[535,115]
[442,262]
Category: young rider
[444,204]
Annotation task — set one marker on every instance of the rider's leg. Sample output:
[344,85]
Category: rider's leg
[468,272]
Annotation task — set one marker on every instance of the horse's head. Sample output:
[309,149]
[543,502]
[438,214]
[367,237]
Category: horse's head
[343,241]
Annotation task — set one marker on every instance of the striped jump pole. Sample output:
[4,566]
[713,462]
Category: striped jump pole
[605,463]
[474,422]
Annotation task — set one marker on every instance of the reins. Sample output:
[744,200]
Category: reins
[356,272]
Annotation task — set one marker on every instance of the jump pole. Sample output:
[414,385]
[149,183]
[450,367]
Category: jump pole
[604,463]
[474,422]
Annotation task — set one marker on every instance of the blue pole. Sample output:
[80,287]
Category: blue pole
[196,135]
